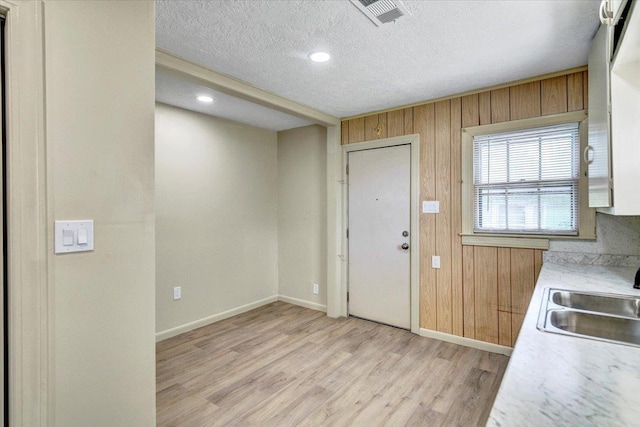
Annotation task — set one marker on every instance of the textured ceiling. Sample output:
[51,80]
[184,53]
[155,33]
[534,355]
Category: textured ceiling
[442,48]
[181,93]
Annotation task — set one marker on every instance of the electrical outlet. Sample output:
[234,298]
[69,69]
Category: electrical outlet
[435,261]
[316,288]
[177,293]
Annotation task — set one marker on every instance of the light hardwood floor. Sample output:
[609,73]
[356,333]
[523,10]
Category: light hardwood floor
[284,365]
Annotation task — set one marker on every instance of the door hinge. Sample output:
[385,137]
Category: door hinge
[347,233]
[347,168]
[347,296]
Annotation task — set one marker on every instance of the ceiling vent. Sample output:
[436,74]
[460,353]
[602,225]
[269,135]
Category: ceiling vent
[381,11]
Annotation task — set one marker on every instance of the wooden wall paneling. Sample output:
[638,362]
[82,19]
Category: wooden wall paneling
[500,105]
[585,89]
[504,279]
[382,124]
[444,321]
[479,292]
[575,92]
[537,264]
[468,292]
[344,128]
[505,336]
[408,121]
[516,324]
[484,107]
[553,95]
[504,296]
[457,303]
[522,283]
[524,100]
[470,112]
[486,293]
[370,124]
[356,130]
[395,123]
[424,124]
[470,117]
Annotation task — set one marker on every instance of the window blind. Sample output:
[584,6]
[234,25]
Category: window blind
[527,181]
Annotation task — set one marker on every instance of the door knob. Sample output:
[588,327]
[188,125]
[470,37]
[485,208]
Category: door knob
[405,246]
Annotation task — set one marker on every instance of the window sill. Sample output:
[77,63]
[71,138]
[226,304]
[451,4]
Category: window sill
[502,241]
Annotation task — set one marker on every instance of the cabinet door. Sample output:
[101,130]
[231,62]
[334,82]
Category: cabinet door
[625,114]
[617,7]
[598,152]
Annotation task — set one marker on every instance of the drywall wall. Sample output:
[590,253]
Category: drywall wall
[216,216]
[99,80]
[615,235]
[302,215]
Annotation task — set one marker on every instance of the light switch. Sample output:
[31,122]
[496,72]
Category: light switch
[435,261]
[431,206]
[82,236]
[73,236]
[67,236]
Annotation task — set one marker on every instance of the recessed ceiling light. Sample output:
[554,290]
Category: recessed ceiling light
[205,98]
[319,56]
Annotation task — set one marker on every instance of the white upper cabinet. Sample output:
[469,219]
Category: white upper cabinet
[597,153]
[614,120]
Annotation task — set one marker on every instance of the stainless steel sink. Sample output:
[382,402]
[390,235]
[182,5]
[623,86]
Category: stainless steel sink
[608,328]
[604,317]
[618,305]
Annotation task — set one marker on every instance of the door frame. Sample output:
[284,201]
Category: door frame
[414,142]
[30,299]
[336,303]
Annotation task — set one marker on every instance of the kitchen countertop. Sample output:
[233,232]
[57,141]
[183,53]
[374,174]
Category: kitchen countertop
[559,380]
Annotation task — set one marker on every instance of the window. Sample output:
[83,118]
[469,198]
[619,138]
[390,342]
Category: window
[524,179]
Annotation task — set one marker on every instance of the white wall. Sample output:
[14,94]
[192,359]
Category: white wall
[216,216]
[99,79]
[302,213]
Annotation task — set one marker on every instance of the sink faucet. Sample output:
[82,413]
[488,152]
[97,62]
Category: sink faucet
[636,283]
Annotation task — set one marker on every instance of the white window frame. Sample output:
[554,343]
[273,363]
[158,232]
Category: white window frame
[586,221]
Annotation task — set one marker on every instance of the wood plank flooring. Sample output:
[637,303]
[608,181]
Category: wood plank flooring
[284,365]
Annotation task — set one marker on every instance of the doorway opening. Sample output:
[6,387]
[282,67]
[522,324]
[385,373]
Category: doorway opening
[379,271]
[381,216]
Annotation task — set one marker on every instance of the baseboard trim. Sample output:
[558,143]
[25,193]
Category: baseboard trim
[160,336]
[467,342]
[303,303]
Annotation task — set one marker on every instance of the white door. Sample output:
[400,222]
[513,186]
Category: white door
[379,198]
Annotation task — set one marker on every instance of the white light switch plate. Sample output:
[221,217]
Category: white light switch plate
[435,261]
[78,237]
[432,206]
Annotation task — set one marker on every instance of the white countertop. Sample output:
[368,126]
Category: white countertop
[559,380]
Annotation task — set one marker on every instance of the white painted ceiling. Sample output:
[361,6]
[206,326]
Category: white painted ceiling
[182,93]
[442,48]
